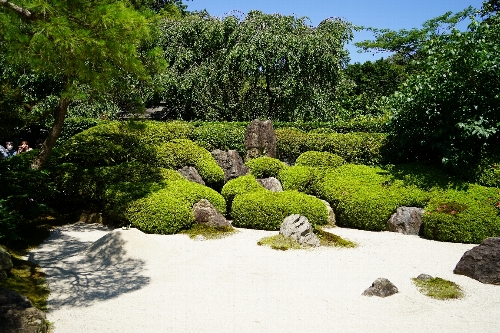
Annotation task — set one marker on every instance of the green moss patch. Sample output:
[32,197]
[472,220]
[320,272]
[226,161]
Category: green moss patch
[328,239]
[439,288]
[279,242]
[27,279]
[209,232]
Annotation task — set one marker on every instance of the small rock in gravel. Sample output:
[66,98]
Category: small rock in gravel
[200,238]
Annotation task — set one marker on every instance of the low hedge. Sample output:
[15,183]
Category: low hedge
[169,210]
[361,148]
[266,210]
[319,159]
[240,185]
[465,216]
[223,136]
[264,167]
[181,152]
[365,197]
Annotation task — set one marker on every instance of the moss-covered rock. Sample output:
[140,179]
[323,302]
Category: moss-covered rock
[319,159]
[264,167]
[266,210]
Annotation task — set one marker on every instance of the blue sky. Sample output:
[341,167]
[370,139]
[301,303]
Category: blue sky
[391,14]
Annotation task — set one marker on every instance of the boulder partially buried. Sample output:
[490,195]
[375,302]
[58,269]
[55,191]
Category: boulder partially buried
[381,287]
[191,174]
[205,213]
[482,262]
[298,228]
[406,220]
[271,183]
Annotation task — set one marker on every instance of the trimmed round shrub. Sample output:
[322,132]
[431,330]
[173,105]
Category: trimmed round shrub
[300,178]
[264,167]
[464,216]
[240,185]
[290,143]
[224,136]
[365,197]
[266,210]
[169,210]
[182,152]
[319,159]
[115,142]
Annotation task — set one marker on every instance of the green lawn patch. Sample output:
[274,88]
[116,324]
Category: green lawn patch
[439,288]
[209,232]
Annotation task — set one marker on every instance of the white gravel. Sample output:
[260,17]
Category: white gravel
[132,282]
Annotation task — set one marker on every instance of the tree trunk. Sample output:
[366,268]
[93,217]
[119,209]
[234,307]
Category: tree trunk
[50,141]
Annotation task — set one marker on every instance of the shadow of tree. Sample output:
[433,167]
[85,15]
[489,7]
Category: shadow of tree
[78,278]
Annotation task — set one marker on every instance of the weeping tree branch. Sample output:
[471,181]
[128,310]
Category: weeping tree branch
[24,13]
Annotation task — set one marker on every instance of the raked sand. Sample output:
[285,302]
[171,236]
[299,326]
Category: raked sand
[128,281]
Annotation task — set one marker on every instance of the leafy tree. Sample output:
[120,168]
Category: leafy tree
[372,82]
[450,110]
[258,66]
[74,42]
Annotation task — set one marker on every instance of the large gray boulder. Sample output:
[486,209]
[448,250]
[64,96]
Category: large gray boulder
[406,220]
[381,287]
[205,213]
[260,139]
[191,174]
[482,262]
[271,183]
[17,314]
[5,263]
[231,162]
[298,228]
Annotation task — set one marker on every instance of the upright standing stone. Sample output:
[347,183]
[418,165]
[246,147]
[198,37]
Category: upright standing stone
[260,139]
[231,162]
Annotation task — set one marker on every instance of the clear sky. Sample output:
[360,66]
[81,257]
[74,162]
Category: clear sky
[391,14]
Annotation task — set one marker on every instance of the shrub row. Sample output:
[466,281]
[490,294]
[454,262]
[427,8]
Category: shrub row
[362,148]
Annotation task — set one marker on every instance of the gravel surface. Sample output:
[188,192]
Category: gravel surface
[126,281]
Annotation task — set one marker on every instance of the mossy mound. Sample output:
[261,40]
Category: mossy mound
[266,210]
[209,232]
[279,242]
[439,288]
[264,167]
[300,178]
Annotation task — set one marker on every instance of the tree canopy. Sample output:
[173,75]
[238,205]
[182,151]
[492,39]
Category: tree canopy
[262,65]
[74,43]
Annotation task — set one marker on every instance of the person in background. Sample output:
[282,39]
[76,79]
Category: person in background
[24,147]
[8,151]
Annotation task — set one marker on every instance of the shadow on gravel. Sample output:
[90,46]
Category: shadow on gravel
[78,278]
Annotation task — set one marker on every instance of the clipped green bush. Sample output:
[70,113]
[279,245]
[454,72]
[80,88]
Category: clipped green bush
[264,167]
[266,210]
[116,142]
[361,148]
[224,136]
[240,185]
[75,125]
[365,197]
[181,152]
[169,210]
[300,178]
[319,159]
[464,216]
